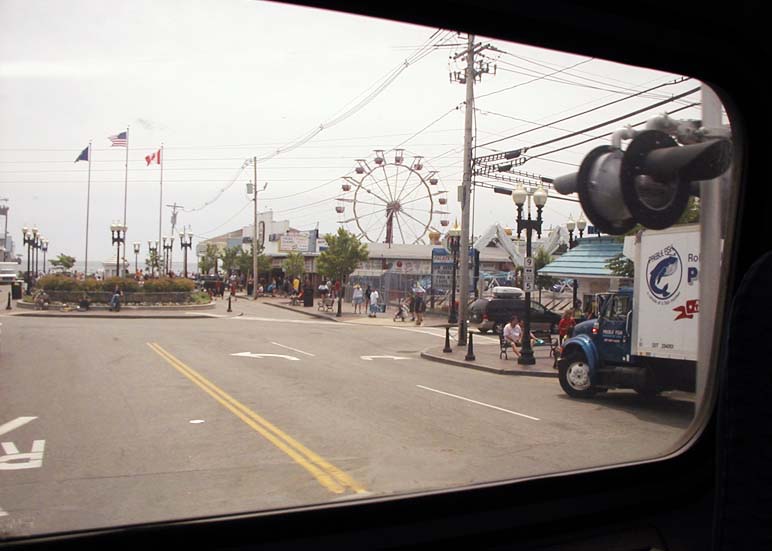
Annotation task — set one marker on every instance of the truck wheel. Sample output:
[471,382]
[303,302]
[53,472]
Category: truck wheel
[574,376]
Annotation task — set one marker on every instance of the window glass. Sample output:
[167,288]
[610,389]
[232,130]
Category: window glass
[238,273]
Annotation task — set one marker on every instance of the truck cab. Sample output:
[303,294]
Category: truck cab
[599,356]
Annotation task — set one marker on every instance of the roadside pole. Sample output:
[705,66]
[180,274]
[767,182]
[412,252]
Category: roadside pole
[254,230]
[466,187]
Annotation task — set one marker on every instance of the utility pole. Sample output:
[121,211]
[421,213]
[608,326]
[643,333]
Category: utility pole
[468,77]
[254,230]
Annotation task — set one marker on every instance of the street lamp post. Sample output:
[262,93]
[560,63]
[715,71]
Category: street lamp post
[152,251]
[36,251]
[570,226]
[118,232]
[44,248]
[136,257]
[28,241]
[186,241]
[168,244]
[519,196]
[454,240]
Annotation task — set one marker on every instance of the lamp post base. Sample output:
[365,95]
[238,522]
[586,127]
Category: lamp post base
[526,358]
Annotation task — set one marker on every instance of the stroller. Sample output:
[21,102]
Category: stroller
[403,310]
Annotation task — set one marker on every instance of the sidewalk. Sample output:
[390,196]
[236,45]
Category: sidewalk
[485,348]
[486,358]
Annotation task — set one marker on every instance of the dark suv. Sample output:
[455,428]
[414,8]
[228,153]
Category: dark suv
[493,313]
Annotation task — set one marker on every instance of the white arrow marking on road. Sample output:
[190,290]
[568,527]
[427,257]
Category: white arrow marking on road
[15,424]
[252,355]
[370,358]
[14,460]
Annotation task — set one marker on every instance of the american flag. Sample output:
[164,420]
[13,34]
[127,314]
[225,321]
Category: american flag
[119,140]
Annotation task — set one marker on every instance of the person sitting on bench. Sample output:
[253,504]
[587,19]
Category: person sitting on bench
[513,334]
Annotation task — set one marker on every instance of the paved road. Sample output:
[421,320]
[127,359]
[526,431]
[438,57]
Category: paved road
[124,421]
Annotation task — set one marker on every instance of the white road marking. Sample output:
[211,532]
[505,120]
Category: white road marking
[479,403]
[371,358]
[253,355]
[3,513]
[15,424]
[278,320]
[293,349]
[13,460]
[196,421]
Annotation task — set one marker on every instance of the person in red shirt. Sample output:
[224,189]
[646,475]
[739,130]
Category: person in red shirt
[566,325]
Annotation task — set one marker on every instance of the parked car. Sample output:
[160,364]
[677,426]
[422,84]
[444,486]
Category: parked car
[493,313]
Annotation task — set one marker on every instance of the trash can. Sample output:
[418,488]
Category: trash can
[16,291]
[308,296]
[382,308]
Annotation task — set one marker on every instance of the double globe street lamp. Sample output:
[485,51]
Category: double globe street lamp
[30,240]
[137,245]
[118,232]
[168,243]
[186,241]
[570,226]
[152,251]
[519,197]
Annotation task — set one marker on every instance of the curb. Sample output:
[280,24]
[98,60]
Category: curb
[441,359]
[110,316]
[312,314]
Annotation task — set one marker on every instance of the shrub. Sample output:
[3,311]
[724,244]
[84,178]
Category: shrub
[168,285]
[57,283]
[127,285]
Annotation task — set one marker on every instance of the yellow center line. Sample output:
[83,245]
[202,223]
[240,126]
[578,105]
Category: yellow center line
[328,475]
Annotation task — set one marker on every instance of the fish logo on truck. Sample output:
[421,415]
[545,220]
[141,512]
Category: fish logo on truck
[664,274]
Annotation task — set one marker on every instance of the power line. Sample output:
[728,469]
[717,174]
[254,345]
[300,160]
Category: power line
[670,83]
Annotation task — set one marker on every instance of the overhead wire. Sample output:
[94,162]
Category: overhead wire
[585,112]
[384,83]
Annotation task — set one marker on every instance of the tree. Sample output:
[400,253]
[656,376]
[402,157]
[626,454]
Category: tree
[294,264]
[343,255]
[153,261]
[64,261]
[621,266]
[541,259]
[208,259]
[229,256]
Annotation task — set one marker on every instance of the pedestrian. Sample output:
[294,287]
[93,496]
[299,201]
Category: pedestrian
[324,290]
[368,291]
[296,284]
[534,338]
[115,301]
[566,325]
[336,289]
[373,302]
[358,298]
[419,303]
[513,334]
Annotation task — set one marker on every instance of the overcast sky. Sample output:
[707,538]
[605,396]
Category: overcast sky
[220,82]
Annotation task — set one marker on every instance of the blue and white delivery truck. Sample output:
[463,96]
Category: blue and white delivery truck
[644,338]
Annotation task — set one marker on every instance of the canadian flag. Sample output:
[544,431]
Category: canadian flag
[153,157]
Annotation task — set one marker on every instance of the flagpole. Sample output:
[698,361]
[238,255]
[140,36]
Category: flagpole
[161,198]
[88,205]
[125,198]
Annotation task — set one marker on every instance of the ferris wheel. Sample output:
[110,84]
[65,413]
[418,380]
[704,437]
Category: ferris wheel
[392,201]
